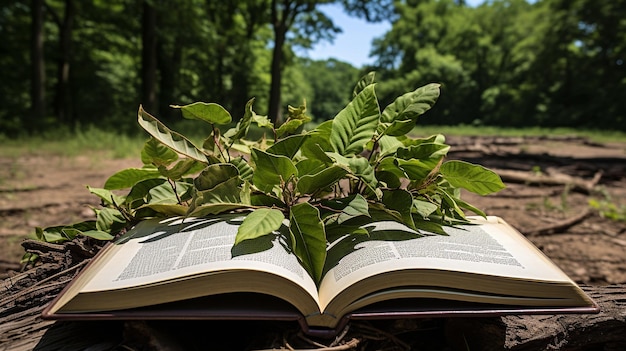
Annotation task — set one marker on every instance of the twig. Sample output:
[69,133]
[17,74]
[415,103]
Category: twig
[353,343]
[340,337]
[312,342]
[559,226]
[383,335]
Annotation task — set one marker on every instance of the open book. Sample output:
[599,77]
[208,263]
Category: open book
[189,268]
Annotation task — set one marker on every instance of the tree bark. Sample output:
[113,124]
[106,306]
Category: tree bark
[63,98]
[169,66]
[280,32]
[148,58]
[38,74]
[603,331]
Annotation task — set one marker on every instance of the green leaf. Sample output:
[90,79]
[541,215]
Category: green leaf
[209,112]
[363,82]
[168,209]
[245,170]
[262,121]
[214,209]
[295,121]
[424,151]
[156,153]
[396,128]
[401,201]
[424,208]
[417,170]
[311,166]
[271,170]
[309,238]
[309,183]
[261,222]
[97,234]
[389,145]
[107,196]
[474,178]
[408,107]
[164,193]
[214,175]
[344,209]
[288,146]
[243,125]
[388,179]
[109,220]
[137,195]
[429,226]
[319,140]
[228,191]
[128,177]
[449,205]
[470,207]
[356,124]
[181,168]
[171,139]
[360,167]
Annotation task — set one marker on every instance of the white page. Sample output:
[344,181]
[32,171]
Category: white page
[177,248]
[495,249]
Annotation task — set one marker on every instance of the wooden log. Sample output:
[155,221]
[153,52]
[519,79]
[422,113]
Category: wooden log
[603,331]
[553,178]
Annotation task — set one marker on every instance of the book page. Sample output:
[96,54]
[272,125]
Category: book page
[156,251]
[491,247]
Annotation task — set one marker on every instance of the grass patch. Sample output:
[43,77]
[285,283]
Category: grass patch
[73,143]
[468,130]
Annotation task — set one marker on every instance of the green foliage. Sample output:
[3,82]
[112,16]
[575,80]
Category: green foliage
[360,166]
[503,63]
[608,208]
[511,62]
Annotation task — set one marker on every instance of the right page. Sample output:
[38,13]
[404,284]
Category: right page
[487,256]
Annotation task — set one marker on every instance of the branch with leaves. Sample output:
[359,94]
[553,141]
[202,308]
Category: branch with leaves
[321,184]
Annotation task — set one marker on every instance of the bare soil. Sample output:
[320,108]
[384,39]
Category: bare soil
[551,182]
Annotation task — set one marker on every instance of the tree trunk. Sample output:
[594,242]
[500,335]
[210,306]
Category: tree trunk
[38,79]
[168,65]
[279,24]
[63,98]
[274,110]
[148,58]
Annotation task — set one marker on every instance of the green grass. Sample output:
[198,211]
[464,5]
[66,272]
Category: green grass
[74,143]
[468,130]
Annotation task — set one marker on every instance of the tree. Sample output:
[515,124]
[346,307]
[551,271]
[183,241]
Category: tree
[309,25]
[284,14]
[148,56]
[481,55]
[329,93]
[38,73]
[63,96]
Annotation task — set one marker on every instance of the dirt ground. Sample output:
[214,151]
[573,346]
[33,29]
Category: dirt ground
[550,183]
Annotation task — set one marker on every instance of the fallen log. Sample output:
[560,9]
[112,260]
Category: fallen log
[603,331]
[552,178]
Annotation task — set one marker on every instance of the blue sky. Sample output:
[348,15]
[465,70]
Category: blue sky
[354,43]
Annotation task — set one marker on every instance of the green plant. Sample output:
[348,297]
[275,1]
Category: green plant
[607,208]
[322,183]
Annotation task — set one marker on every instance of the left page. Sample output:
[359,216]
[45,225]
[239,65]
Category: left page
[177,249]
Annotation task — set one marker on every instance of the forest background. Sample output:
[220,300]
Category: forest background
[70,64]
